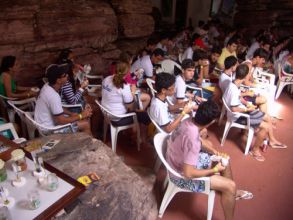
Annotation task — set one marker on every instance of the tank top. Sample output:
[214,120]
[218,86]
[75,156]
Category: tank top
[2,88]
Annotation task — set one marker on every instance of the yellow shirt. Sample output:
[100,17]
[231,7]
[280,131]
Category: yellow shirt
[225,53]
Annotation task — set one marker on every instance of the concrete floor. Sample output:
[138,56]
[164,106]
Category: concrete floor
[269,181]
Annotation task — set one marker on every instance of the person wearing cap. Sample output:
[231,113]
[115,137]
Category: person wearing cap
[147,63]
[49,111]
[229,50]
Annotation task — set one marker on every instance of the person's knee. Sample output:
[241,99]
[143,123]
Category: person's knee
[261,100]
[230,187]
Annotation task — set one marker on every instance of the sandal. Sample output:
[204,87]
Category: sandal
[258,157]
[279,146]
[244,195]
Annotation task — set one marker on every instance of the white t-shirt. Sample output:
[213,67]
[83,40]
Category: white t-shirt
[144,63]
[48,104]
[188,53]
[164,48]
[159,112]
[115,99]
[252,49]
[180,89]
[232,97]
[224,81]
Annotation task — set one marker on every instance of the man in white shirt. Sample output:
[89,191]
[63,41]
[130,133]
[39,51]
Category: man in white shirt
[227,75]
[147,63]
[49,111]
[263,42]
[181,95]
[160,109]
[163,43]
[263,127]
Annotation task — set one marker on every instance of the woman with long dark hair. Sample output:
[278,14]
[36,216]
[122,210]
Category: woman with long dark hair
[8,86]
[69,93]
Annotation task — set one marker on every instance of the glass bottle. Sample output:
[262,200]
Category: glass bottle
[3,173]
[19,157]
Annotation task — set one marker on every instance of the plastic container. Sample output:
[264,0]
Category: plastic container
[19,157]
[3,173]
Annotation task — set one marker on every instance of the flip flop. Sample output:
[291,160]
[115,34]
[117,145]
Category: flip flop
[278,146]
[259,157]
[245,195]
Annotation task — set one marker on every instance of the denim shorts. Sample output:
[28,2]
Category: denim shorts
[204,162]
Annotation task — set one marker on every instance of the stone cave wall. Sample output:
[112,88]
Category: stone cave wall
[261,14]
[96,30]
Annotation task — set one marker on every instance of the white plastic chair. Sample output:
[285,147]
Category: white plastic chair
[231,123]
[32,126]
[150,83]
[19,106]
[261,76]
[168,66]
[92,87]
[108,116]
[10,112]
[284,80]
[159,130]
[10,127]
[172,189]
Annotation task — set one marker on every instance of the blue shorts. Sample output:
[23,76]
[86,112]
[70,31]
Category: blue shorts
[204,162]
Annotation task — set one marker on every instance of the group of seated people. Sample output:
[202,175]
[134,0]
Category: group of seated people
[176,108]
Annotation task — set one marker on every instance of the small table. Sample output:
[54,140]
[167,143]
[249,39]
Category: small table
[51,202]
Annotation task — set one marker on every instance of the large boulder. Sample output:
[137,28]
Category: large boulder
[121,192]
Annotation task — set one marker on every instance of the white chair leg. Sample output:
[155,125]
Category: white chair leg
[211,200]
[11,115]
[226,131]
[280,87]
[169,194]
[223,112]
[114,134]
[105,129]
[165,184]
[157,164]
[249,140]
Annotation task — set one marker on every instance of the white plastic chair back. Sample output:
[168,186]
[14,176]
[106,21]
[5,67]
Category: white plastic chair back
[108,116]
[231,118]
[4,106]
[168,66]
[150,83]
[160,141]
[284,80]
[19,106]
[32,125]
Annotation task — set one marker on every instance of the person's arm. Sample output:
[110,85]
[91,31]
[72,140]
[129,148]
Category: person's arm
[200,76]
[174,124]
[243,110]
[61,119]
[190,172]
[69,96]
[205,68]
